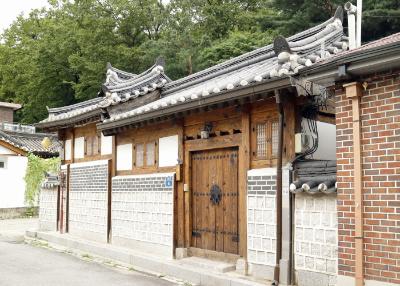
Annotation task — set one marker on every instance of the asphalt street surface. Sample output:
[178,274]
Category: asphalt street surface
[27,265]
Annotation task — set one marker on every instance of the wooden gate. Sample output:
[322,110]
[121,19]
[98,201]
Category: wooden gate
[215,200]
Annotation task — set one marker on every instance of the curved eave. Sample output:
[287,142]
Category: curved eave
[62,109]
[88,117]
[354,63]
[173,110]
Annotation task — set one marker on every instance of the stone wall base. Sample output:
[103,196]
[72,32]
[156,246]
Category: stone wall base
[8,213]
[89,235]
[142,246]
[310,278]
[260,271]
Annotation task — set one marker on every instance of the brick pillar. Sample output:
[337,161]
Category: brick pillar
[380,157]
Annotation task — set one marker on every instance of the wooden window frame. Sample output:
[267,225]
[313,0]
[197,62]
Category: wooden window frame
[145,165]
[269,157]
[89,139]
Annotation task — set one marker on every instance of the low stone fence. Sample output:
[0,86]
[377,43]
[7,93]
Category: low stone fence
[142,212]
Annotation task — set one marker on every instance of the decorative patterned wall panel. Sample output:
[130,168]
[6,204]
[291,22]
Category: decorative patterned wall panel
[261,218]
[88,200]
[48,209]
[316,236]
[142,208]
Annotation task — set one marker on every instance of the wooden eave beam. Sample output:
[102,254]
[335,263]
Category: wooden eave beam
[226,96]
[13,148]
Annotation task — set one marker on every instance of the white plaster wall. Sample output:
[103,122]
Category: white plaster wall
[316,237]
[124,157]
[168,151]
[5,151]
[106,144]
[79,148]
[327,140]
[142,212]
[68,149]
[12,184]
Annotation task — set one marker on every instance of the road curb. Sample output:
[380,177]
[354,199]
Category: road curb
[147,263]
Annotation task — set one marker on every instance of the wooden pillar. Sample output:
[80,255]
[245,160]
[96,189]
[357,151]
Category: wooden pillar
[244,165]
[109,198]
[67,199]
[187,199]
[354,93]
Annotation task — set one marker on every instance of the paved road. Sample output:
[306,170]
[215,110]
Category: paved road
[14,229]
[26,265]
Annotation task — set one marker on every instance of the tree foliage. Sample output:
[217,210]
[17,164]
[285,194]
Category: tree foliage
[35,174]
[57,56]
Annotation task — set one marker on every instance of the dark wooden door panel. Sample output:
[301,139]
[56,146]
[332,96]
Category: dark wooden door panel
[215,221]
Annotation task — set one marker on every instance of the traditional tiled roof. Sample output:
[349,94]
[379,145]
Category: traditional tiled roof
[314,176]
[51,181]
[32,142]
[72,113]
[121,86]
[282,59]
[364,49]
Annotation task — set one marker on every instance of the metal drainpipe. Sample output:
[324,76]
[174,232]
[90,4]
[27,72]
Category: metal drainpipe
[279,189]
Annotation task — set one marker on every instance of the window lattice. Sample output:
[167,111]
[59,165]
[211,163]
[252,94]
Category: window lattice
[150,154]
[261,137]
[275,139]
[139,155]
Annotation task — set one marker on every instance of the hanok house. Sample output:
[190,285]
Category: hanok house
[16,142]
[202,166]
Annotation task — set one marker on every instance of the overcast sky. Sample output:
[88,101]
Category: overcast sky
[10,9]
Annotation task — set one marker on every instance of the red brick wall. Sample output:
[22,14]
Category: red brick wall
[6,114]
[380,140]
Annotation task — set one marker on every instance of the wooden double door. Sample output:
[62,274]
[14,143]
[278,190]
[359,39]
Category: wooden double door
[215,200]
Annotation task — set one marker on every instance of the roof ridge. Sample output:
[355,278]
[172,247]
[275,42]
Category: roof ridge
[67,108]
[255,55]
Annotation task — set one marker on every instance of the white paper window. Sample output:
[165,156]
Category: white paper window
[139,155]
[150,154]
[261,137]
[67,149]
[124,157]
[106,144]
[168,151]
[79,148]
[275,139]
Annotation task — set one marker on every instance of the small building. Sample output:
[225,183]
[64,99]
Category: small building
[16,142]
[238,162]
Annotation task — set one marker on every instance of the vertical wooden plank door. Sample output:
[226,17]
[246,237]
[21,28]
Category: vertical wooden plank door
[215,200]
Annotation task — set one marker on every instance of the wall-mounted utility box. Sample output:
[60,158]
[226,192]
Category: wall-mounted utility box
[302,142]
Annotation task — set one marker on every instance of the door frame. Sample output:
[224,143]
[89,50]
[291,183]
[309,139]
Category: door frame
[242,142]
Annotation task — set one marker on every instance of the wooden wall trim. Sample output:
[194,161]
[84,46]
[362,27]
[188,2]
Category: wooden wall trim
[67,199]
[13,148]
[244,164]
[109,198]
[214,143]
